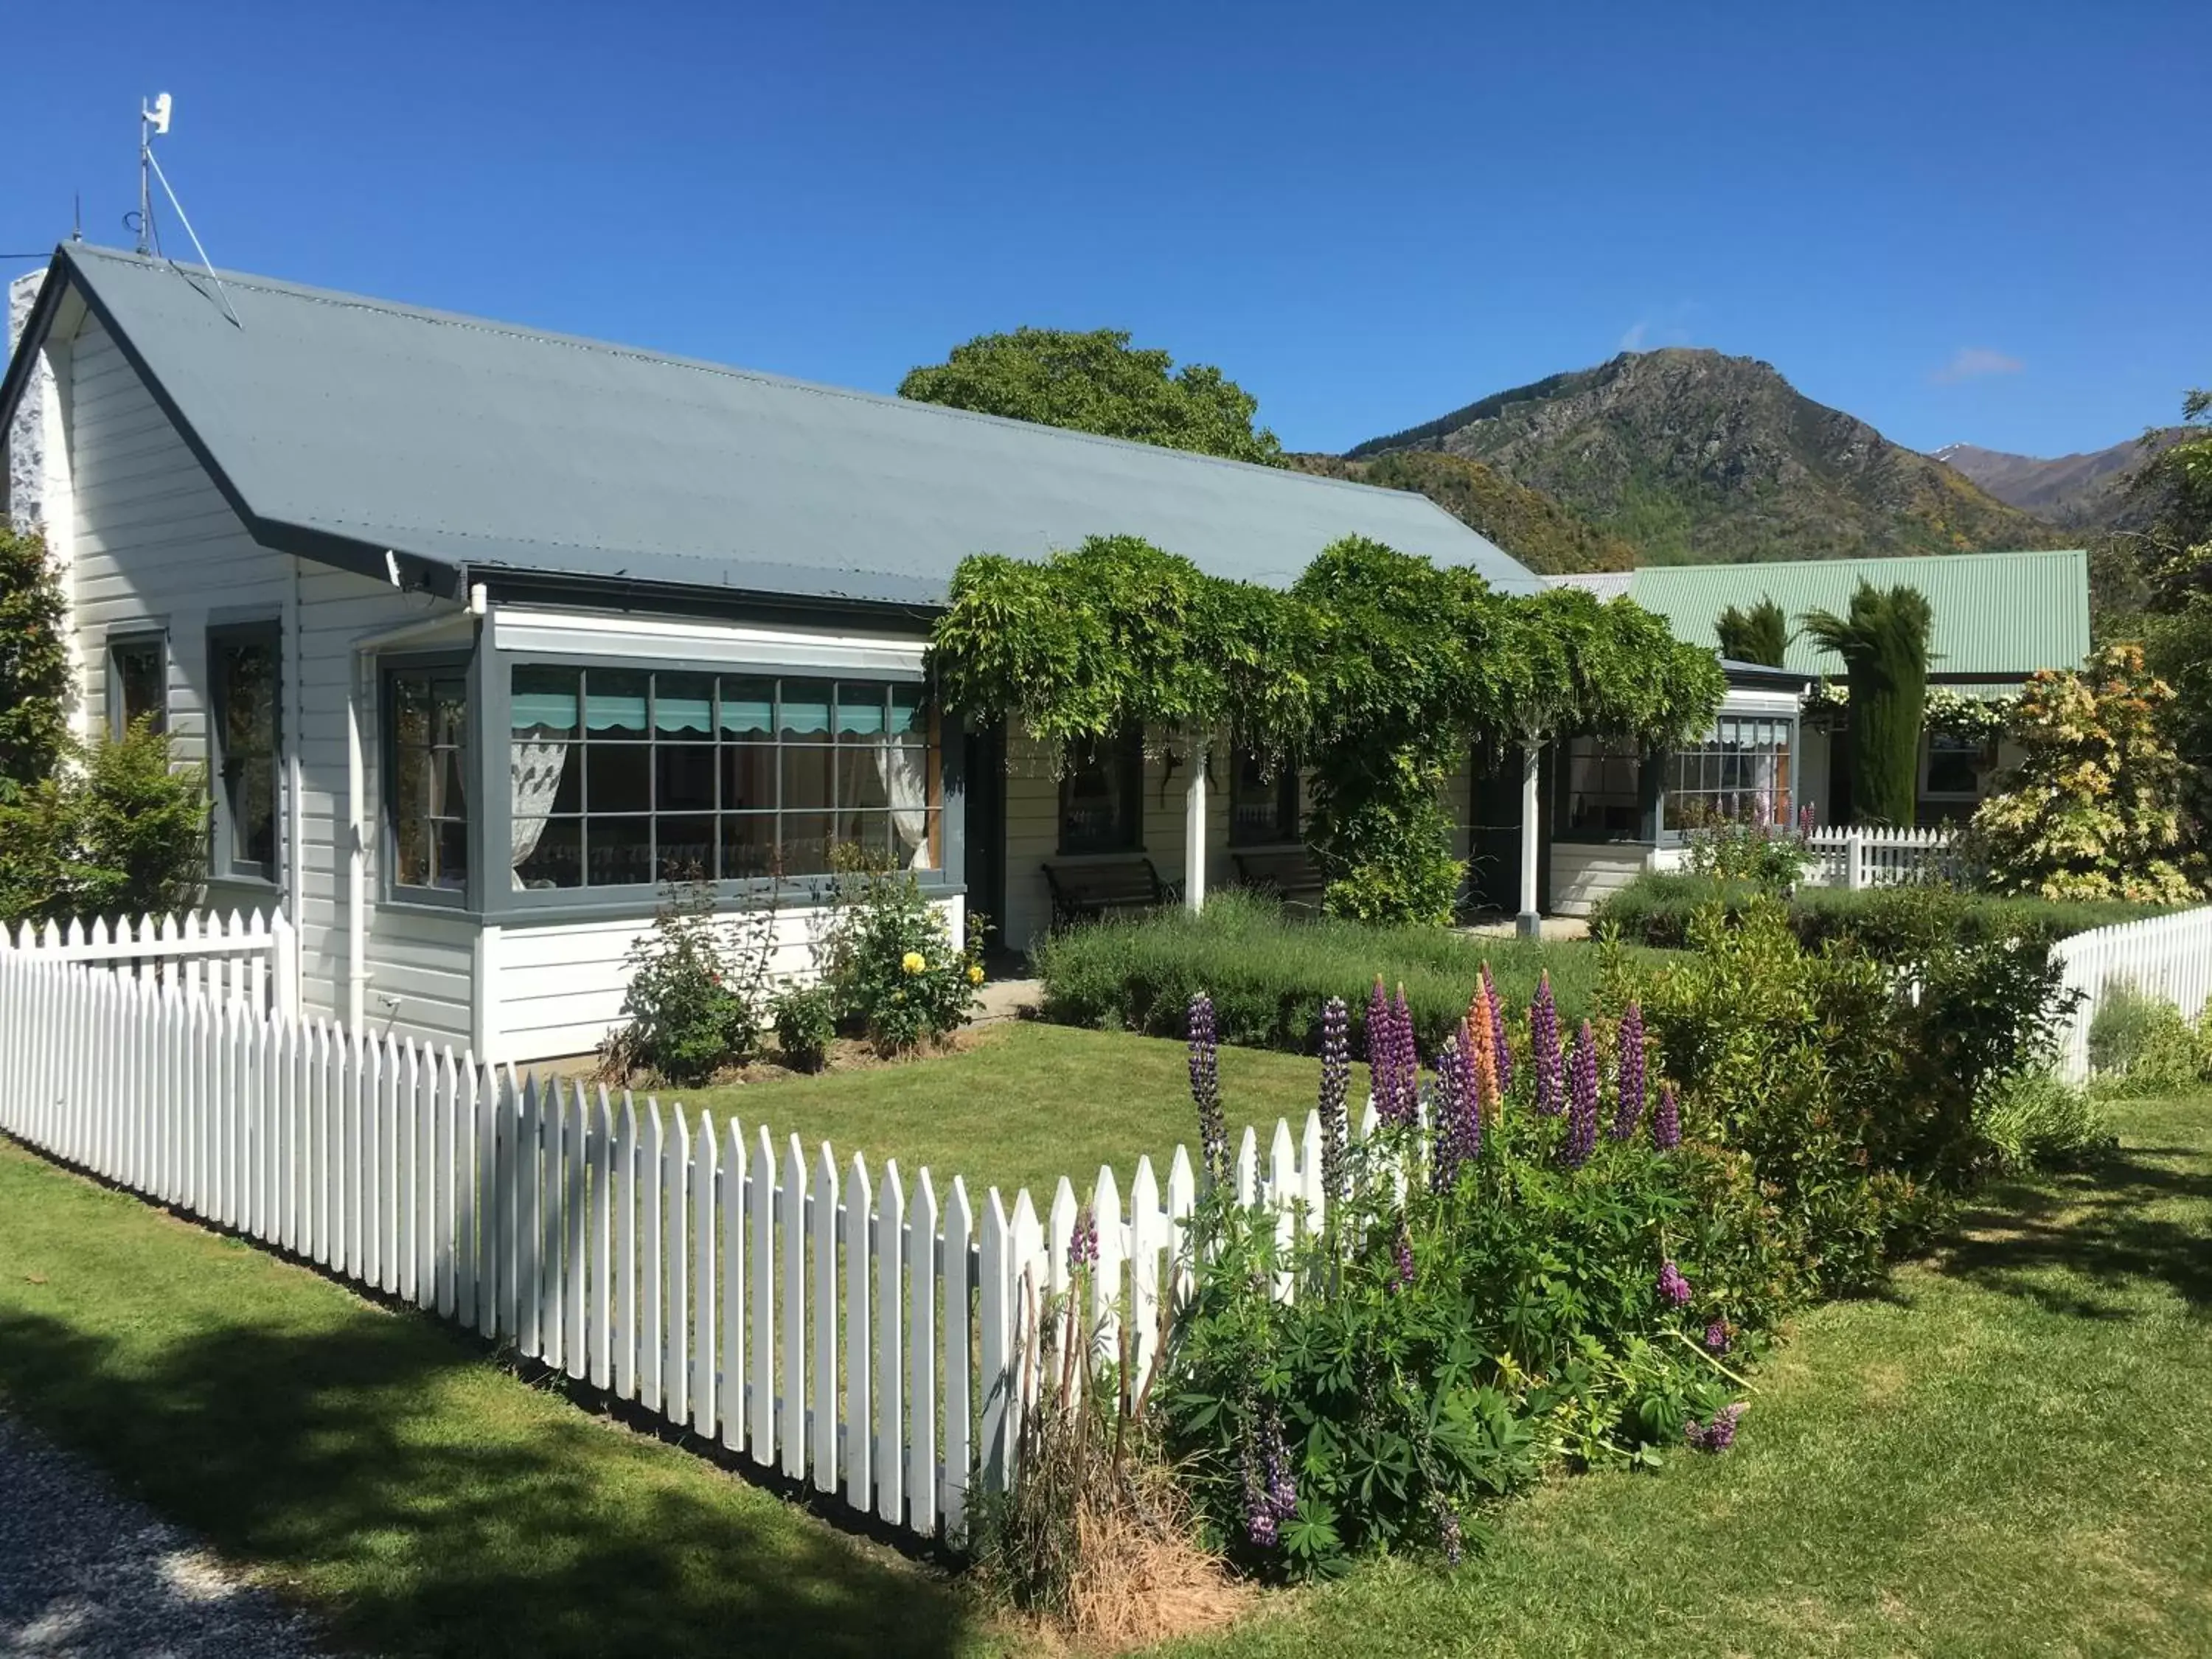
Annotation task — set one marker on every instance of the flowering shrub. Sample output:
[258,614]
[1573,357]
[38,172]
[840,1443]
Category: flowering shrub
[805,1018]
[697,991]
[893,962]
[1773,858]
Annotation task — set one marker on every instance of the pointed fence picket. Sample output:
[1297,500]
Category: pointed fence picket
[857,1329]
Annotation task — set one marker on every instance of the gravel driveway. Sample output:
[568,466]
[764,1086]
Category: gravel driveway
[85,1573]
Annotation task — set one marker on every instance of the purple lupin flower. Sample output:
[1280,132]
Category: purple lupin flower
[1401,1258]
[1083,1242]
[1457,1121]
[1718,1337]
[1206,1089]
[1408,1061]
[1544,1040]
[1499,1043]
[1271,1491]
[1666,1121]
[1630,1112]
[1582,1102]
[1382,1053]
[1335,1083]
[1716,1436]
[1672,1284]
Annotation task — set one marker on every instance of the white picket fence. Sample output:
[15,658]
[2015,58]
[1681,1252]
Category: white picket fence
[852,1330]
[247,957]
[1857,856]
[2168,957]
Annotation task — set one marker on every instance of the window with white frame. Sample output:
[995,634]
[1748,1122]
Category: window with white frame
[622,777]
[1739,774]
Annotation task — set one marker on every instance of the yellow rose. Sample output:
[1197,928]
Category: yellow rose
[975,973]
[912,962]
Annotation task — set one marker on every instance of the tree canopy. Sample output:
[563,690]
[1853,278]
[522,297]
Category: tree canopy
[1377,670]
[1098,382]
[1760,633]
[1883,641]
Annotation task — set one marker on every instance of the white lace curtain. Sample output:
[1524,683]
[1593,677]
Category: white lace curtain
[904,774]
[538,768]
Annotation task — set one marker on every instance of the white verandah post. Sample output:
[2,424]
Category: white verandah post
[1530,924]
[1193,828]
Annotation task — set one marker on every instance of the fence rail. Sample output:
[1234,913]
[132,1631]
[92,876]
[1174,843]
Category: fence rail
[847,1326]
[2168,957]
[1874,857]
[247,958]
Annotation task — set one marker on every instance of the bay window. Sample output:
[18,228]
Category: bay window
[427,776]
[1739,774]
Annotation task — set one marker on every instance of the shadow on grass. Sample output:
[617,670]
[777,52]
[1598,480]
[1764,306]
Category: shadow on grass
[2132,1216]
[371,1464]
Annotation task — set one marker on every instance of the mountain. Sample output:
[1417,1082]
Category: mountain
[1533,527]
[1693,457]
[2080,492]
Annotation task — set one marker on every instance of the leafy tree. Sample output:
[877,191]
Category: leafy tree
[113,830]
[1760,634]
[1098,382]
[34,676]
[2092,812]
[1884,644]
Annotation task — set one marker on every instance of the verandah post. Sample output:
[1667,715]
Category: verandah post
[1193,828]
[1530,924]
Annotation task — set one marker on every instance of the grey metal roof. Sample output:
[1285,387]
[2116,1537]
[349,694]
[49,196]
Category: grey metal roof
[479,447]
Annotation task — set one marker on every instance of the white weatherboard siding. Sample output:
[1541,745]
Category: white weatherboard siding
[559,986]
[155,543]
[1584,873]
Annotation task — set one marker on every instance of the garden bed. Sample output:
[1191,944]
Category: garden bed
[1268,974]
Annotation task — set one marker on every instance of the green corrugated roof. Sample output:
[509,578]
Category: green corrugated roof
[1996,614]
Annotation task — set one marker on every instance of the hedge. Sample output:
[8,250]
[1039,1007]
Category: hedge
[1655,910]
[1268,974]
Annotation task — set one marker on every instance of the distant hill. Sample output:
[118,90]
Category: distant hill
[2080,492]
[1693,457]
[1533,528]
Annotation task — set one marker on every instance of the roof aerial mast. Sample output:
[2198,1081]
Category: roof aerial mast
[153,122]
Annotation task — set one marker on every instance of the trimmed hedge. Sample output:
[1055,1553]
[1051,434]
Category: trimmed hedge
[1268,974]
[1655,910]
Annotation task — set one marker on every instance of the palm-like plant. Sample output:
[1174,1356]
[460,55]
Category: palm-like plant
[1884,644]
[1760,634]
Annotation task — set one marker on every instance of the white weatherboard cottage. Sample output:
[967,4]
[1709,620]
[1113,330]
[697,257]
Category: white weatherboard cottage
[482,631]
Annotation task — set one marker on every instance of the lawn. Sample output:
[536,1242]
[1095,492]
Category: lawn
[2009,1454]
[1025,1105]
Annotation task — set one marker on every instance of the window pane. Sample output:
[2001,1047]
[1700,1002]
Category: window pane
[748,845]
[1097,812]
[450,841]
[618,851]
[685,848]
[614,703]
[449,712]
[805,709]
[805,843]
[912,835]
[684,778]
[555,858]
[618,778]
[859,710]
[807,778]
[139,684]
[682,705]
[748,775]
[411,852]
[905,708]
[748,707]
[863,777]
[544,703]
[868,832]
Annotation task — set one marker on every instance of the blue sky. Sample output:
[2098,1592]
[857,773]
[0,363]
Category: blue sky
[1962,222]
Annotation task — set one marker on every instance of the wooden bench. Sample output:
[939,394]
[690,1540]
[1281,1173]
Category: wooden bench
[1087,891]
[1287,873]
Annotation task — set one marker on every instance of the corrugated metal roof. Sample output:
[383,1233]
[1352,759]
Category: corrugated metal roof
[475,443]
[1997,615]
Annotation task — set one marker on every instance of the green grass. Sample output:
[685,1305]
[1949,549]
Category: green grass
[1027,1104]
[2011,1454]
[380,1468]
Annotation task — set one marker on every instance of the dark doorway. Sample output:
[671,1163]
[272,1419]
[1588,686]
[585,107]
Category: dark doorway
[984,767]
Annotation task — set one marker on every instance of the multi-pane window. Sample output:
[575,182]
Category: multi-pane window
[137,683]
[1263,799]
[1102,796]
[243,666]
[624,776]
[1956,765]
[428,792]
[1600,791]
[1739,774]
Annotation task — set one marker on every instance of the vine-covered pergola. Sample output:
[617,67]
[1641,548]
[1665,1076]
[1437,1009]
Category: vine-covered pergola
[1375,671]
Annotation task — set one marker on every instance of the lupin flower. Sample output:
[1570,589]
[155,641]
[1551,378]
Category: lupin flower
[1672,1284]
[1718,1337]
[1481,1051]
[1271,1491]
[1408,1061]
[1401,1258]
[1206,1089]
[1394,1066]
[1500,1042]
[1457,1120]
[1083,1243]
[1630,1112]
[1544,1040]
[1716,1436]
[1667,1120]
[1335,1083]
[1582,1102]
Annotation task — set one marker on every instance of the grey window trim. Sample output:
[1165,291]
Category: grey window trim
[124,637]
[390,891]
[497,901]
[268,628]
[1669,834]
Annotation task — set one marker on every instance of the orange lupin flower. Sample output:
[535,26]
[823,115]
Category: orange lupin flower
[1482,1040]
